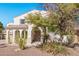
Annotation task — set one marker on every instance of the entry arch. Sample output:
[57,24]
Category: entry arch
[36,34]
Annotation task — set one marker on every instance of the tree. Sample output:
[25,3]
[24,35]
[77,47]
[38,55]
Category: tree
[40,21]
[1,27]
[62,18]
[77,5]
[76,12]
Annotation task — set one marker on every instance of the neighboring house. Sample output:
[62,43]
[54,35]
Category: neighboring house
[23,28]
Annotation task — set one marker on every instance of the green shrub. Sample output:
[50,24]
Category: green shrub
[54,48]
[22,43]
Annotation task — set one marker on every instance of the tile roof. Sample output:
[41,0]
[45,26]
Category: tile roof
[22,26]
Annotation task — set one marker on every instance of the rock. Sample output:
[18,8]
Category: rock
[51,36]
[56,38]
[71,45]
[75,39]
[65,39]
[17,50]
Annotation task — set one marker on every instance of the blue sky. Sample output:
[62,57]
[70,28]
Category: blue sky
[9,10]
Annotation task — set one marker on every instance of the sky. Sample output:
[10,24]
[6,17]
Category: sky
[9,10]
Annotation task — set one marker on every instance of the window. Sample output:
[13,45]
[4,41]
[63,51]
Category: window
[22,21]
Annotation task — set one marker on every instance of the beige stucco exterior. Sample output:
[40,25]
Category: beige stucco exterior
[26,26]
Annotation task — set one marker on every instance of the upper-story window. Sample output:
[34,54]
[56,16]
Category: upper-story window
[22,21]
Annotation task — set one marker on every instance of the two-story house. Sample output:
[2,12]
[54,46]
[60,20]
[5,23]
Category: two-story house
[21,26]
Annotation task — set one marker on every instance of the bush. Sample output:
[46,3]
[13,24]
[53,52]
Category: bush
[22,43]
[54,48]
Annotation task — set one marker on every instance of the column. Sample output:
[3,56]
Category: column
[41,34]
[20,33]
[29,35]
[13,40]
[7,35]
[47,30]
[24,34]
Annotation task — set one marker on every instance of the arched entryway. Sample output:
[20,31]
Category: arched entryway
[36,35]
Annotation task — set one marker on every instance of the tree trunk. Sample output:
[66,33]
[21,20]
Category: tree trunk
[44,35]
[61,39]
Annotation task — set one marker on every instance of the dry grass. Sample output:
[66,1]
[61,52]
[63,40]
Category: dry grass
[54,48]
